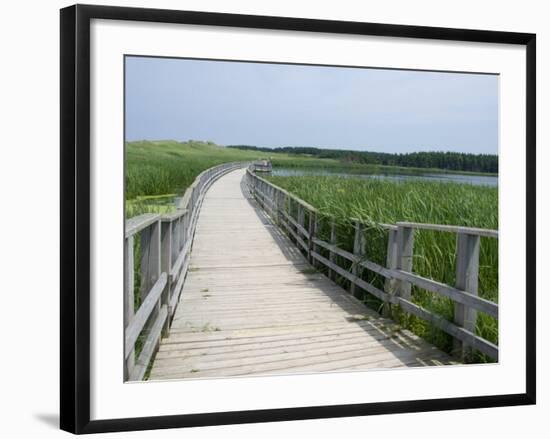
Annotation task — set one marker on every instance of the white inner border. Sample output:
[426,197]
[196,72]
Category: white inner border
[111,398]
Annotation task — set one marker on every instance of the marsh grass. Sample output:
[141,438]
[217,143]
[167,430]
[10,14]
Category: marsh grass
[382,201]
[158,171]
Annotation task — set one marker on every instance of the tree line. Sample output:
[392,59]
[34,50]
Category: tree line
[455,161]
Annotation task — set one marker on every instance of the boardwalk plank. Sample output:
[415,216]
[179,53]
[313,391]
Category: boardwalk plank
[251,304]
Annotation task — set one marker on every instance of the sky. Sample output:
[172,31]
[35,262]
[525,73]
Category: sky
[273,105]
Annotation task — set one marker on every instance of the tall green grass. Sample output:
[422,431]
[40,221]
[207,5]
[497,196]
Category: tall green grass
[157,171]
[382,201]
[167,166]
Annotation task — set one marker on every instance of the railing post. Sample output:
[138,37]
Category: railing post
[467,274]
[332,255]
[179,230]
[273,206]
[277,203]
[359,247]
[287,208]
[254,189]
[150,265]
[186,225]
[312,229]
[265,197]
[390,285]
[300,220]
[150,258]
[404,259]
[175,239]
[168,228]
[130,357]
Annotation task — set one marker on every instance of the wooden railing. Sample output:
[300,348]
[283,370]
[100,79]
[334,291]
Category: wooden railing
[300,221]
[163,245]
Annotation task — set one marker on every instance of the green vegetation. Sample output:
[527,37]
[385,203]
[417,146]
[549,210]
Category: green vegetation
[381,201]
[449,161]
[156,171]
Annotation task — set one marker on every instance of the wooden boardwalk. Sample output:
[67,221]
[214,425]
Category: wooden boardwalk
[251,304]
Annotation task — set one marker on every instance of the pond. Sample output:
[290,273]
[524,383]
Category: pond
[398,174]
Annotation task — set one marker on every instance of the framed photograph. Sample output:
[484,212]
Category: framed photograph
[275,218]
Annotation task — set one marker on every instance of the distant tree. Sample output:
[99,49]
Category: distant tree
[455,161]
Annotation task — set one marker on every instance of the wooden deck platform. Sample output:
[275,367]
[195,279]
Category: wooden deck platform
[251,304]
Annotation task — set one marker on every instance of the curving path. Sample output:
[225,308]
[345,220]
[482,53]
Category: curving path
[251,304]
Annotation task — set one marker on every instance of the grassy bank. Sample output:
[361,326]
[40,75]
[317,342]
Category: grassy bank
[161,167]
[157,171]
[381,201]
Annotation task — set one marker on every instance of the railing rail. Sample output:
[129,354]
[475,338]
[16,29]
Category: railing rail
[290,213]
[164,250]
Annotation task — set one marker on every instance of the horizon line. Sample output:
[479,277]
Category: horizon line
[308,146]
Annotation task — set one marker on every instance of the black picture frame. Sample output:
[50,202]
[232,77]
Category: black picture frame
[75,217]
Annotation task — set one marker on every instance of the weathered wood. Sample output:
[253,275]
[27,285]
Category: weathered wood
[362,262]
[162,241]
[172,216]
[336,250]
[252,309]
[189,341]
[312,233]
[150,345]
[177,289]
[398,270]
[294,234]
[458,296]
[129,299]
[175,237]
[332,255]
[150,257]
[359,247]
[166,256]
[454,229]
[136,324]
[186,235]
[405,254]
[367,346]
[390,284]
[300,217]
[299,228]
[181,257]
[467,272]
[352,278]
[457,332]
[248,286]
[138,223]
[128,279]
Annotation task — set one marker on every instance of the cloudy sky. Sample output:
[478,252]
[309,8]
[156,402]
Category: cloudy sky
[327,107]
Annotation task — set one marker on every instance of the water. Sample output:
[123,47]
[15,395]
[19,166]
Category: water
[398,175]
